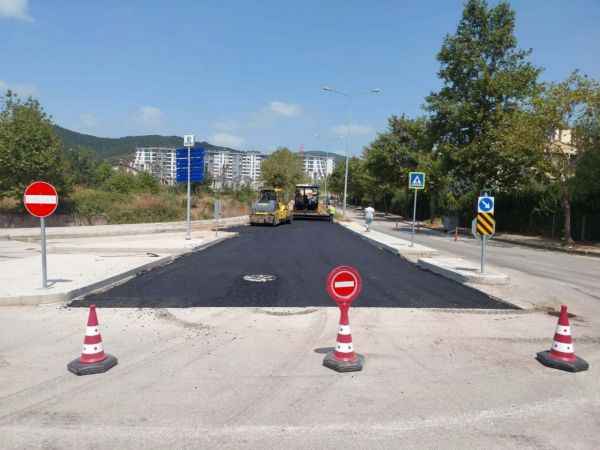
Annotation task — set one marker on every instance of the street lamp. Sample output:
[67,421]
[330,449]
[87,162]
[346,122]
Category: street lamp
[349,98]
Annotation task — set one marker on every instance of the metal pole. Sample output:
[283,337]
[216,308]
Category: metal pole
[189,194]
[44,269]
[412,236]
[483,241]
[347,150]
[345,183]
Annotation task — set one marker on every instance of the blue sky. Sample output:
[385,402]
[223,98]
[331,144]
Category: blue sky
[249,73]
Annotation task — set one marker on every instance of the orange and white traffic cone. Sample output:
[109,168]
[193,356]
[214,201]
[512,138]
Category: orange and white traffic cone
[343,358]
[92,359]
[562,354]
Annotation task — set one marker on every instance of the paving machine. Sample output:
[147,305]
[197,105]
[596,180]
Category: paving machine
[270,208]
[308,205]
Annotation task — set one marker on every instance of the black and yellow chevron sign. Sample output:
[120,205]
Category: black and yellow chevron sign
[486,224]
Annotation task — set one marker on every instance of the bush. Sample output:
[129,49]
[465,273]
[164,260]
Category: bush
[88,203]
[127,208]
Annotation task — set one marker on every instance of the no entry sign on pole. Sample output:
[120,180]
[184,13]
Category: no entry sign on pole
[41,200]
[344,284]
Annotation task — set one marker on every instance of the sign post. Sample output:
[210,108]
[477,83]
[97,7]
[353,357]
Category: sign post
[188,141]
[416,181]
[343,285]
[485,223]
[41,200]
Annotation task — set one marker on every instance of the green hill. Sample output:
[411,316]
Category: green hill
[114,148]
[124,147]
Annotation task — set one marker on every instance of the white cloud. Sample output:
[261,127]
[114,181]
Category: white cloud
[226,140]
[15,9]
[352,130]
[88,120]
[226,125]
[21,89]
[149,116]
[285,109]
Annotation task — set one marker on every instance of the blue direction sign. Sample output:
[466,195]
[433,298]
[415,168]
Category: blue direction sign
[196,164]
[416,180]
[485,204]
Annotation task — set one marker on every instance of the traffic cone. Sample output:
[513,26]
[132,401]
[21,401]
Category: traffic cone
[92,359]
[343,358]
[562,354]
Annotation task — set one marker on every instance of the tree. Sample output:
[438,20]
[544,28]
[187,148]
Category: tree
[570,111]
[82,164]
[282,169]
[488,85]
[360,184]
[405,146]
[29,148]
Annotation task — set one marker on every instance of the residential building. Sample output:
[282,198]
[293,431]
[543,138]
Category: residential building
[317,166]
[159,161]
[227,167]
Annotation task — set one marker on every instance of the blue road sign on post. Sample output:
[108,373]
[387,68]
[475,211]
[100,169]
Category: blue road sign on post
[485,204]
[196,164]
[416,180]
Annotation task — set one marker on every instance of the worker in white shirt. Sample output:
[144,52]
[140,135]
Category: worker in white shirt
[369,213]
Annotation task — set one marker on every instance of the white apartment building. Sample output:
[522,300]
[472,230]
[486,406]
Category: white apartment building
[159,161]
[227,167]
[318,167]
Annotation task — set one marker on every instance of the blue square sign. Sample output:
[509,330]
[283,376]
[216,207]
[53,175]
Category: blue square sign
[485,204]
[416,180]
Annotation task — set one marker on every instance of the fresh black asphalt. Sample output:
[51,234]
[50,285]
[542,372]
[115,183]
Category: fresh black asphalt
[300,256]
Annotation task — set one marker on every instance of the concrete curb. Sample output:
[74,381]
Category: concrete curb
[419,250]
[64,297]
[33,234]
[441,267]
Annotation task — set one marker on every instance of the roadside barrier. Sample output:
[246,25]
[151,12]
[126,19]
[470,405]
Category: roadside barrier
[93,359]
[562,354]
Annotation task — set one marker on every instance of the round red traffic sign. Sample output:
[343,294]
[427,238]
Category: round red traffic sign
[40,199]
[344,284]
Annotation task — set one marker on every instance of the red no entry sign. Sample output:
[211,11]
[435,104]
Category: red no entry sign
[40,199]
[344,284]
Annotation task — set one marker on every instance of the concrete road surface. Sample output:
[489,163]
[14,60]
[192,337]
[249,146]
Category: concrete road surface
[237,378]
[291,262]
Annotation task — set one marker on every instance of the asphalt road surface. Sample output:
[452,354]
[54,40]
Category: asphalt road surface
[295,260]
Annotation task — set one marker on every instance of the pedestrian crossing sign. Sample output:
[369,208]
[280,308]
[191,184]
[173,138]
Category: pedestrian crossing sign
[416,180]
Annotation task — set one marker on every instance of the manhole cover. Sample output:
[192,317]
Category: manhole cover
[260,278]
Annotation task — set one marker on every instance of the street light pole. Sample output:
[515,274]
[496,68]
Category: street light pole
[349,110]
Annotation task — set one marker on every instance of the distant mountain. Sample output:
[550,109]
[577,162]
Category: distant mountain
[113,148]
[124,147]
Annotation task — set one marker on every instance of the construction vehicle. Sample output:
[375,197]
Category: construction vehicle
[308,205]
[270,208]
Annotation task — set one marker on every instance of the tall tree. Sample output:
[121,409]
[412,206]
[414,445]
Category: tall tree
[282,169]
[405,146]
[571,112]
[360,184]
[29,148]
[487,87]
